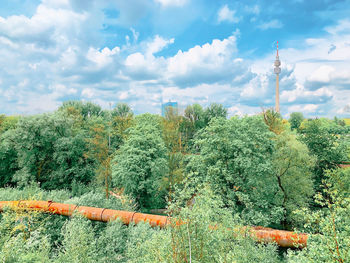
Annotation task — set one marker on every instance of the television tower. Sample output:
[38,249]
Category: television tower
[277,71]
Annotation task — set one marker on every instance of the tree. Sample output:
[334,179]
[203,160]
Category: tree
[8,158]
[214,111]
[122,110]
[140,164]
[171,125]
[274,121]
[195,115]
[79,243]
[8,122]
[176,147]
[329,238]
[293,167]
[112,242]
[2,119]
[193,121]
[50,152]
[295,120]
[206,235]
[327,148]
[22,237]
[235,158]
[122,120]
[86,109]
[339,121]
[99,151]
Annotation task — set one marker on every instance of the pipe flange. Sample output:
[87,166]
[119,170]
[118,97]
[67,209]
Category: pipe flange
[102,213]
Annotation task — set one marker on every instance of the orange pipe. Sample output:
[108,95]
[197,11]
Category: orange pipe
[283,238]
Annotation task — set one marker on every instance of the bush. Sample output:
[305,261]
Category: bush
[330,226]
[204,233]
[79,243]
[111,242]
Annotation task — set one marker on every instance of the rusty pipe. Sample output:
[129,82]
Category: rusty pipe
[282,238]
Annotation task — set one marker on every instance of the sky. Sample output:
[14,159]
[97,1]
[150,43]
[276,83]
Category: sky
[145,52]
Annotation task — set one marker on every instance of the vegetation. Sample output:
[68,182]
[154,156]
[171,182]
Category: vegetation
[215,174]
[296,118]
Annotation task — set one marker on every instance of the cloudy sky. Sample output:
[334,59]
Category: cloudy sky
[143,52]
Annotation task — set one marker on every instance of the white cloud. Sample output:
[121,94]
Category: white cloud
[88,93]
[60,90]
[158,44]
[7,42]
[56,3]
[255,9]
[321,74]
[168,3]
[343,26]
[207,60]
[135,34]
[123,95]
[235,111]
[308,108]
[45,19]
[255,88]
[225,14]
[102,58]
[136,60]
[301,95]
[344,110]
[273,24]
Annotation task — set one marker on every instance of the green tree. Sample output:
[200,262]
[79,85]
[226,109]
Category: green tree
[327,148]
[235,158]
[338,121]
[122,120]
[112,242]
[140,164]
[205,235]
[214,111]
[329,238]
[50,152]
[8,122]
[86,109]
[293,168]
[295,120]
[79,243]
[274,121]
[8,158]
[292,165]
[22,237]
[2,120]
[193,121]
[99,151]
[173,138]
[195,115]
[122,110]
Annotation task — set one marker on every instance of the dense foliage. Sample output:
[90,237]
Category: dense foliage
[140,164]
[215,174]
[235,158]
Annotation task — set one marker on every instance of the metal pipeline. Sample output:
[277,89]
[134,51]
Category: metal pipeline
[283,238]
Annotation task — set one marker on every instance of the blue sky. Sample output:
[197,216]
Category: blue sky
[143,52]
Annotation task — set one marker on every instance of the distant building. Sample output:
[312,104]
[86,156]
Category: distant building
[170,105]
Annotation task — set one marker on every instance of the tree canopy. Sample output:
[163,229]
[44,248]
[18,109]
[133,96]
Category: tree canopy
[217,175]
[140,164]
